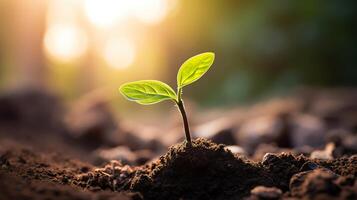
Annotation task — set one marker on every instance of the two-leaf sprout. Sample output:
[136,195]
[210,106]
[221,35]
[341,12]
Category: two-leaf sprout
[148,92]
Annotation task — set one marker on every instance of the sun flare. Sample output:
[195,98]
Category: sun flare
[65,42]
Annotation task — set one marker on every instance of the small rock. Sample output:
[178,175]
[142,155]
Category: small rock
[307,130]
[269,158]
[345,142]
[325,154]
[220,131]
[262,149]
[263,192]
[121,153]
[309,166]
[264,129]
[236,149]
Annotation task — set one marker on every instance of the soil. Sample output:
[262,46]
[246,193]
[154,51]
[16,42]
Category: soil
[48,163]
[27,174]
[204,170]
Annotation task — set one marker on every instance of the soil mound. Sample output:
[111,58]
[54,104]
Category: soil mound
[204,170]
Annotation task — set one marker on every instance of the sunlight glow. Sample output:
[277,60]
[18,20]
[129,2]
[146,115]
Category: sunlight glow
[106,13]
[66,38]
[119,53]
[65,42]
[150,11]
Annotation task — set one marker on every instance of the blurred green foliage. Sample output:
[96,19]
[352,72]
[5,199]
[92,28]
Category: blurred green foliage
[266,47]
[262,48]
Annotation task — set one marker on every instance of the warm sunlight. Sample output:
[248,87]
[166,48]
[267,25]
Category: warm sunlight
[119,53]
[67,33]
[65,42]
[106,13]
[252,99]
[151,11]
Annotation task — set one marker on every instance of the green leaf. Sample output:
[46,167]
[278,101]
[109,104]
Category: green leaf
[147,92]
[194,68]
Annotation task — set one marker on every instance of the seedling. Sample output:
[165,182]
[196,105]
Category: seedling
[148,92]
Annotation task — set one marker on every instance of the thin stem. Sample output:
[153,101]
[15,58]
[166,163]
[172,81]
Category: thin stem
[179,93]
[181,107]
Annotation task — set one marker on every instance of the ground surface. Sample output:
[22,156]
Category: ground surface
[287,149]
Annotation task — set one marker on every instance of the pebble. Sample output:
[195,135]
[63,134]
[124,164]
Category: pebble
[266,192]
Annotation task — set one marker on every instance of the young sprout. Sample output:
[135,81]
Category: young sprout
[148,92]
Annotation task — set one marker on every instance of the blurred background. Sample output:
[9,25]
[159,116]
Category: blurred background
[263,48]
[285,75]
[284,80]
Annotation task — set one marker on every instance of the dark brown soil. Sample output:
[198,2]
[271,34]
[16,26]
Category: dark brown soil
[42,158]
[323,184]
[25,174]
[206,170]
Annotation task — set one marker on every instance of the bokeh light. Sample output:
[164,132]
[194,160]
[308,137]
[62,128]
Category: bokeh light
[106,13]
[119,53]
[262,49]
[151,11]
[65,42]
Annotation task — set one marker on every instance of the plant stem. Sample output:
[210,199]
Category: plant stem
[185,121]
